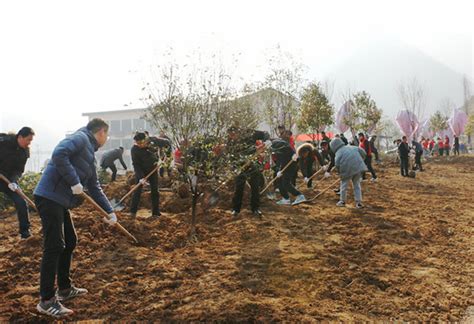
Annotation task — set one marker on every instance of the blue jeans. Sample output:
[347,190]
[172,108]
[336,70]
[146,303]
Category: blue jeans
[356,179]
[21,208]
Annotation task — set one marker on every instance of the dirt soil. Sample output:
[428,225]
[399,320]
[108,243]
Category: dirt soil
[407,256]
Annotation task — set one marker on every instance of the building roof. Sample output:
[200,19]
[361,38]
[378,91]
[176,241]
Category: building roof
[113,111]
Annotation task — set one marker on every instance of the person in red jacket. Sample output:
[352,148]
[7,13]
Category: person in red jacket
[365,145]
[446,145]
[440,146]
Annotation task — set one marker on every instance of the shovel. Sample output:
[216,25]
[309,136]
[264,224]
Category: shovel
[118,206]
[99,209]
[20,192]
[274,179]
[326,189]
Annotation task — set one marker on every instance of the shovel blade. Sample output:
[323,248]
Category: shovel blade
[117,205]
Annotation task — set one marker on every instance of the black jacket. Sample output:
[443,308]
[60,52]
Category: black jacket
[161,144]
[283,152]
[143,160]
[12,157]
[244,147]
[403,150]
[110,156]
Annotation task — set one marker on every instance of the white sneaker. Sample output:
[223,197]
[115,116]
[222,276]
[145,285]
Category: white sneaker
[340,203]
[271,196]
[284,201]
[299,199]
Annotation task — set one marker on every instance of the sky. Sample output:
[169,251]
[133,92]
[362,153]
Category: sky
[59,59]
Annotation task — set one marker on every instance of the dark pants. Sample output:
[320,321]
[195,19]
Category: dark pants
[254,181]
[59,240]
[440,151]
[308,172]
[286,183]
[456,150]
[368,163]
[375,152]
[447,151]
[404,165]
[113,168]
[21,208]
[155,196]
[418,161]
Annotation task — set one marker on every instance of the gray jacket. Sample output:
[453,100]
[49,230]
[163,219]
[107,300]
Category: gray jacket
[349,159]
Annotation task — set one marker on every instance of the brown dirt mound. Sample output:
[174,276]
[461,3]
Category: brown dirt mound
[407,256]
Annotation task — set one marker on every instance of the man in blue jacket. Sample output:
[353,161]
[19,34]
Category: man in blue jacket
[70,171]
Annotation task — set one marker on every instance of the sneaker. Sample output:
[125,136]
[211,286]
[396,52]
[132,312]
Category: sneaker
[341,203]
[299,199]
[257,213]
[277,190]
[373,180]
[70,293]
[359,205]
[235,213]
[53,308]
[283,201]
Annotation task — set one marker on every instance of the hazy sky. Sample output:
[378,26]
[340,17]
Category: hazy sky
[59,59]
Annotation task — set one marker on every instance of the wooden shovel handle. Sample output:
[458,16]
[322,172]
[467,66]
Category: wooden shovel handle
[314,174]
[274,179]
[101,210]
[326,189]
[20,192]
[135,187]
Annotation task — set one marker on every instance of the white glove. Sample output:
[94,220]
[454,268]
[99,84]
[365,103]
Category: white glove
[13,186]
[268,144]
[327,175]
[306,180]
[295,157]
[111,220]
[279,174]
[77,189]
[325,167]
[142,181]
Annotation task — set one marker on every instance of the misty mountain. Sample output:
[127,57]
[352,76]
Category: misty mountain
[380,66]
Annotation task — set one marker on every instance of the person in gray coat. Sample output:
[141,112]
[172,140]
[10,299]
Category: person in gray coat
[350,165]
[109,158]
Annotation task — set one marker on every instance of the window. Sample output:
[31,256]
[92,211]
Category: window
[126,127]
[114,127]
[138,125]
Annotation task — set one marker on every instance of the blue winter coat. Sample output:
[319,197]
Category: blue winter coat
[72,162]
[349,159]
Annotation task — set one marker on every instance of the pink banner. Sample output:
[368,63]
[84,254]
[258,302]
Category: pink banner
[342,113]
[407,123]
[458,122]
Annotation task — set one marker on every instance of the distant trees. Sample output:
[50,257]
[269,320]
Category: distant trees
[364,113]
[438,122]
[412,95]
[316,111]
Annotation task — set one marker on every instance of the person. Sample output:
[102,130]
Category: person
[285,155]
[403,151]
[440,146]
[307,155]
[344,139]
[14,152]
[418,153]
[328,158]
[144,160]
[425,142]
[350,164]
[70,171]
[373,148]
[432,146]
[446,145]
[241,150]
[456,145]
[324,137]
[365,145]
[108,161]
